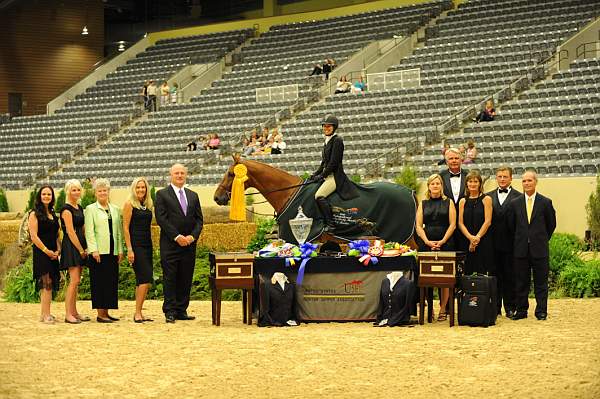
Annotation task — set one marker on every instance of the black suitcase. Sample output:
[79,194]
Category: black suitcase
[477,299]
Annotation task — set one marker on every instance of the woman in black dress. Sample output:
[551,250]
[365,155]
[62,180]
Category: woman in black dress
[435,223]
[43,230]
[104,235]
[74,252]
[474,220]
[137,218]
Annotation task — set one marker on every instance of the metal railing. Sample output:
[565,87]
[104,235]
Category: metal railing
[277,93]
[394,80]
[582,51]
[414,145]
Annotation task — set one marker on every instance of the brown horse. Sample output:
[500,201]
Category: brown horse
[385,202]
[274,184]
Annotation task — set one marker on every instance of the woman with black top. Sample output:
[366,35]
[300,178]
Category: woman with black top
[137,218]
[74,253]
[43,230]
[435,223]
[474,220]
[104,235]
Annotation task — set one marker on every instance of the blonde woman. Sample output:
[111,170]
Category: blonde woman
[104,235]
[137,218]
[435,223]
[74,248]
[474,220]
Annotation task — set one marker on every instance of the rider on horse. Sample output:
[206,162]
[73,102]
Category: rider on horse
[331,172]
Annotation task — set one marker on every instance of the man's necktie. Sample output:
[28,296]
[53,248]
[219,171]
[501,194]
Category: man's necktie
[454,174]
[529,208]
[503,190]
[182,201]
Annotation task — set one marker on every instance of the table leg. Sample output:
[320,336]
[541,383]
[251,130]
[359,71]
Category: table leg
[249,308]
[451,298]
[213,310]
[218,307]
[421,305]
[429,304]
[244,304]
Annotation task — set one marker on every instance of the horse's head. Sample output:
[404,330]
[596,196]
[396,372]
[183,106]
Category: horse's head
[223,192]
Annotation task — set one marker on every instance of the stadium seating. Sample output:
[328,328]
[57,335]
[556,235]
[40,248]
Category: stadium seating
[30,146]
[283,55]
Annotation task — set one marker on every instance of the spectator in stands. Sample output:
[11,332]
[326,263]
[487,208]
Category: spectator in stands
[192,145]
[253,144]
[145,94]
[137,218]
[279,145]
[152,90]
[165,92]
[214,142]
[43,230]
[265,133]
[343,86]
[104,235]
[267,147]
[444,148]
[358,87]
[327,68]
[174,90]
[461,149]
[488,114]
[74,248]
[317,70]
[471,154]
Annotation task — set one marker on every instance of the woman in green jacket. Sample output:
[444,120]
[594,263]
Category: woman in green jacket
[104,236]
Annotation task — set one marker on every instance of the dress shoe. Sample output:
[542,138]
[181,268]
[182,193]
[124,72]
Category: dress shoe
[541,316]
[137,320]
[76,321]
[519,316]
[510,313]
[82,318]
[170,318]
[185,316]
[101,320]
[112,318]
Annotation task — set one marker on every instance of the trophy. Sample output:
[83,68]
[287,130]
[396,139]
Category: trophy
[300,226]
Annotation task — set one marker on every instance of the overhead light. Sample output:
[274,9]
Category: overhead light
[145,34]
[84,31]
[121,47]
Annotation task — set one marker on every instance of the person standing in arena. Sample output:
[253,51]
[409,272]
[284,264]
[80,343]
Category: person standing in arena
[503,239]
[179,215]
[454,179]
[331,172]
[152,90]
[533,220]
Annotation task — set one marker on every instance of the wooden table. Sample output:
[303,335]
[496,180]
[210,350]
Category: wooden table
[437,270]
[232,270]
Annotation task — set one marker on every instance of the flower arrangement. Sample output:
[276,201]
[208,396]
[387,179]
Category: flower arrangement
[397,249]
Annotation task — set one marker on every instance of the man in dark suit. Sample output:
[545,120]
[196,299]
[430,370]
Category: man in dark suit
[454,188]
[331,172]
[532,219]
[503,240]
[179,215]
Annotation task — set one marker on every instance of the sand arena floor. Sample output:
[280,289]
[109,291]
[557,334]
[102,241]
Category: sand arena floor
[559,358]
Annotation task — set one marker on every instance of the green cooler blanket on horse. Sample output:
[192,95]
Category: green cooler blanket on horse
[383,209]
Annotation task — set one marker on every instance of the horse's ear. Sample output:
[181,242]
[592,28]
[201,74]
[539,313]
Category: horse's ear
[236,157]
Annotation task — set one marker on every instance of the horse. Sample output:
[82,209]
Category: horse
[383,209]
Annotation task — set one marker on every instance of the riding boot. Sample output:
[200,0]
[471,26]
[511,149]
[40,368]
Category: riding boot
[326,212]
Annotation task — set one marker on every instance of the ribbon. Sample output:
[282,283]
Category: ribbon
[365,254]
[307,251]
[237,210]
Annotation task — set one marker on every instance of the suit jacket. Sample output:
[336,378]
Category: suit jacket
[448,188]
[97,233]
[396,305]
[171,219]
[503,239]
[277,305]
[532,237]
[333,153]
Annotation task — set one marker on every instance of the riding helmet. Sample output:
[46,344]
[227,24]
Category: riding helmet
[330,120]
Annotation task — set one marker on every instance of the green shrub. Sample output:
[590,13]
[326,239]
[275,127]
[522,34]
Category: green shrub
[60,200]
[580,279]
[153,193]
[264,227]
[593,215]
[19,285]
[564,249]
[408,178]
[3,201]
[88,196]
[356,178]
[31,200]
[305,175]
